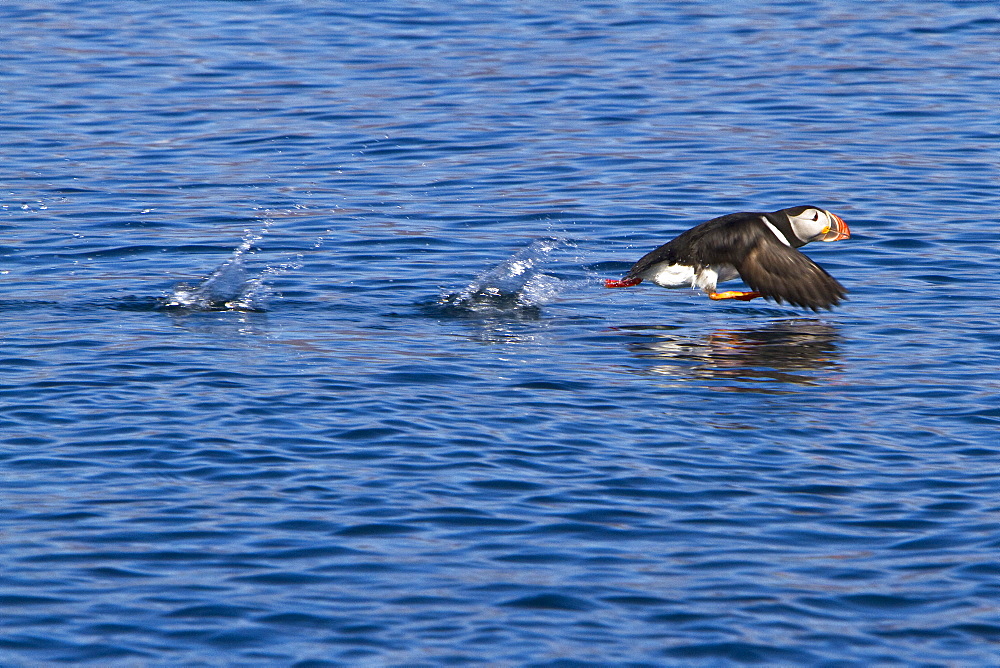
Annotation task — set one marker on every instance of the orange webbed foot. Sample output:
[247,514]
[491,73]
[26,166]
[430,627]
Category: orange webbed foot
[624,283]
[735,294]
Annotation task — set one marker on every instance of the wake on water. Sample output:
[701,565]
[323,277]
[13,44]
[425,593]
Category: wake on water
[515,285]
[231,287]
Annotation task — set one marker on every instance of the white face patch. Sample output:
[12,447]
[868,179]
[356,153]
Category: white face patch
[811,224]
[777,233]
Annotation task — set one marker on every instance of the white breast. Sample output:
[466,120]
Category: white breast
[681,276]
[670,275]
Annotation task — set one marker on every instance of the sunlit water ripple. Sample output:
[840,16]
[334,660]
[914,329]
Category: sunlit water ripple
[306,358]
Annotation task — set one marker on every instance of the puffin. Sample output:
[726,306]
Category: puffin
[760,248]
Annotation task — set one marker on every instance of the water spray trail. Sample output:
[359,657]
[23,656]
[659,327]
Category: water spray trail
[517,282]
[229,287]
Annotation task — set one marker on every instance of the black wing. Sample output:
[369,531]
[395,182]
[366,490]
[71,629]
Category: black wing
[784,274]
[704,245]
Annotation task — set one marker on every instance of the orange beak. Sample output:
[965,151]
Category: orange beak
[839,230]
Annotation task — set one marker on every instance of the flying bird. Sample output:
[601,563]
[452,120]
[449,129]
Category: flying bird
[760,248]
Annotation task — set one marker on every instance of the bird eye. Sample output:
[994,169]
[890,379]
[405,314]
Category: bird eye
[815,215]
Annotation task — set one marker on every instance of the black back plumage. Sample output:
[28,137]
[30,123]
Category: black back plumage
[742,240]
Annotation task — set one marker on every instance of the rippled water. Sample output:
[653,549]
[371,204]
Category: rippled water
[306,359]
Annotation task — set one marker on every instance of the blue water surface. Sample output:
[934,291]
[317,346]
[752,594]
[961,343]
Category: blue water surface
[306,358]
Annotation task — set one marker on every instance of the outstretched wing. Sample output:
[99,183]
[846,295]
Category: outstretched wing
[717,239]
[784,274]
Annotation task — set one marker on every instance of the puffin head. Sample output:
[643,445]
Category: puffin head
[811,223]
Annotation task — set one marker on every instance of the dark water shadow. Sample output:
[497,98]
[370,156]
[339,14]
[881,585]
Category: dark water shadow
[499,318]
[222,320]
[15,305]
[147,304]
[483,307]
[798,351]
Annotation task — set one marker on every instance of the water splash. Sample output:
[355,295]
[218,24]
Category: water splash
[225,288]
[231,287]
[515,284]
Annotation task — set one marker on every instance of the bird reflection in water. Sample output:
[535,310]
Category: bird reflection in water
[788,351]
